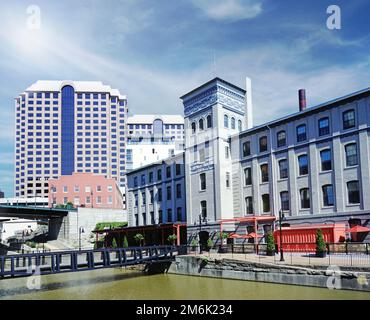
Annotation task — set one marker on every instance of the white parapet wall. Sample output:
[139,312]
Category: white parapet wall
[87,218]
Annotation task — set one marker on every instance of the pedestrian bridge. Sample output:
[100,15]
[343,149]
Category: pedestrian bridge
[21,265]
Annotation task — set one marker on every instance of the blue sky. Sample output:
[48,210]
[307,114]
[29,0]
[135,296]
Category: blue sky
[155,51]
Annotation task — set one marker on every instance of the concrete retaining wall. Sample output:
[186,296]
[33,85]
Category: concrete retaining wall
[241,270]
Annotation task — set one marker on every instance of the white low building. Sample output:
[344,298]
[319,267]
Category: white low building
[152,138]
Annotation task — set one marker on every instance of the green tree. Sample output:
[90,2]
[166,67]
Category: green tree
[114,243]
[270,250]
[209,243]
[320,243]
[125,242]
[172,238]
[139,238]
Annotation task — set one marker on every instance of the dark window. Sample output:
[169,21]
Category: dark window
[143,179]
[178,191]
[240,125]
[351,154]
[328,195]
[284,198]
[193,127]
[325,160]
[159,174]
[227,179]
[209,121]
[281,139]
[169,193]
[249,205]
[168,172]
[152,217]
[303,164]
[144,219]
[301,133]
[169,215]
[159,193]
[324,126]
[202,178]
[263,144]
[151,196]
[266,202]
[143,198]
[264,173]
[150,177]
[135,182]
[201,124]
[283,169]
[179,214]
[246,148]
[353,192]
[160,216]
[248,176]
[203,209]
[305,198]
[348,119]
[178,169]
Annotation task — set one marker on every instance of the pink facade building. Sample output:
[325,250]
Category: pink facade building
[85,190]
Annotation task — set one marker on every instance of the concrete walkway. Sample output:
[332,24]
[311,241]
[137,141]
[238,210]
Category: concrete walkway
[298,259]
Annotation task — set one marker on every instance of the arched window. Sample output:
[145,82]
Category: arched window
[226,121]
[209,121]
[232,123]
[203,209]
[193,127]
[240,126]
[201,124]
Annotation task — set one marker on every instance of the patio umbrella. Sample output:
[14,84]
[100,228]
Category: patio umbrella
[358,229]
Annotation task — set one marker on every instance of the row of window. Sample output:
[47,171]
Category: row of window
[232,123]
[159,175]
[351,157]
[88,200]
[301,132]
[202,123]
[158,195]
[160,219]
[353,193]
[88,189]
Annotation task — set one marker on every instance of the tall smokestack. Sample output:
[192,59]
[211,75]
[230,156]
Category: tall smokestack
[302,99]
[249,106]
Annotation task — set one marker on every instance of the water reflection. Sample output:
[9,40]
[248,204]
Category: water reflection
[128,284]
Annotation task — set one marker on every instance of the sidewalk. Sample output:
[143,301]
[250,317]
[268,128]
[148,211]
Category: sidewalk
[298,259]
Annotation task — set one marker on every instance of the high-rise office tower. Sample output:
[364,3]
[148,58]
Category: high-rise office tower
[68,126]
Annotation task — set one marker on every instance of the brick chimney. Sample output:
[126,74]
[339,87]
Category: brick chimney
[302,99]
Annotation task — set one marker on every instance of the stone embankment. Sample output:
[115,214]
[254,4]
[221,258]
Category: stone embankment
[330,277]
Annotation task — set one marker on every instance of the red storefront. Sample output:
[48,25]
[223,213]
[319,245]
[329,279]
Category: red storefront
[303,238]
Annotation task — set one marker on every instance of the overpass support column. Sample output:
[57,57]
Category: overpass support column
[55,226]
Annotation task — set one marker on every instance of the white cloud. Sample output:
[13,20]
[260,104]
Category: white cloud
[232,10]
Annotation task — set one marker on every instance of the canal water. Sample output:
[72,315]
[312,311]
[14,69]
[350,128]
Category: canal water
[128,284]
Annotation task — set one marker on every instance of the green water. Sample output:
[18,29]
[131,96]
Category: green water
[125,284]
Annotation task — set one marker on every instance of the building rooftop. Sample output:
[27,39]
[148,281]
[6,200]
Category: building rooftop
[322,106]
[79,86]
[149,118]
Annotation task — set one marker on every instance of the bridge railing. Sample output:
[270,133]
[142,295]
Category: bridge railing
[79,260]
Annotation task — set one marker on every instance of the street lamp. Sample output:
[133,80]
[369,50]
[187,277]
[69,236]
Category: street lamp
[200,230]
[80,231]
[281,217]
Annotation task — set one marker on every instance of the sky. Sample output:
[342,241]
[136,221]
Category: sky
[155,51]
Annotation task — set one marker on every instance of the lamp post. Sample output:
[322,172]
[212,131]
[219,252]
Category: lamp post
[281,217]
[80,231]
[200,230]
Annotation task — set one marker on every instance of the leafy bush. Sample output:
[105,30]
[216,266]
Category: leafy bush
[125,242]
[139,238]
[270,242]
[172,238]
[320,243]
[209,243]
[194,242]
[109,225]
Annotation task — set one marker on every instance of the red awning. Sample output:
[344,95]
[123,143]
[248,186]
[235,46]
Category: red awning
[243,236]
[358,229]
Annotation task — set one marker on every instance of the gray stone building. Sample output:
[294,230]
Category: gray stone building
[312,165]
[156,193]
